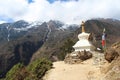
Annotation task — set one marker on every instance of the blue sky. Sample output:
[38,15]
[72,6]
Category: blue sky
[52,1]
[30,1]
[68,11]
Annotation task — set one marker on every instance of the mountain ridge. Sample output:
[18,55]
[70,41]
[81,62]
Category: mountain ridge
[22,45]
[49,40]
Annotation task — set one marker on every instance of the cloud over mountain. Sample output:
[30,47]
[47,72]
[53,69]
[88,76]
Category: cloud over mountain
[71,11]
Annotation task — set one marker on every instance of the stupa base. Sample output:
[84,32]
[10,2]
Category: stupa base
[77,57]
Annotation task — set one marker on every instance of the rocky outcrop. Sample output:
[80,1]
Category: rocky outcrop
[111,54]
[77,57]
[113,70]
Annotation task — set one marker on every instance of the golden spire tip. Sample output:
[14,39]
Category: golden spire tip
[83,24]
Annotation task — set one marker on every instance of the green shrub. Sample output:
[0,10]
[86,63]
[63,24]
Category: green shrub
[66,48]
[34,71]
[39,67]
[14,73]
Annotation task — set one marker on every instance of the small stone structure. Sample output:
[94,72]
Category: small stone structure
[77,57]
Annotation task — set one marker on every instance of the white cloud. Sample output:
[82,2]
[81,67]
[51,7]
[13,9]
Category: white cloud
[2,22]
[69,12]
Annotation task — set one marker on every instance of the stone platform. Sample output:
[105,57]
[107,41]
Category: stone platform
[77,57]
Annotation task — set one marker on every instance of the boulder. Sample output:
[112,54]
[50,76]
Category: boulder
[111,54]
[84,55]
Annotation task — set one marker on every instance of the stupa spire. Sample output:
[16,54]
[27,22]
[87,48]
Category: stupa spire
[83,28]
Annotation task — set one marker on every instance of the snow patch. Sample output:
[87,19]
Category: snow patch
[64,27]
[8,33]
[67,26]
[31,25]
[48,34]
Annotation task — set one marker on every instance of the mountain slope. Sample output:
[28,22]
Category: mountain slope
[27,42]
[95,27]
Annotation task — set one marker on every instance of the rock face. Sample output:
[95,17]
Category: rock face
[113,70]
[77,57]
[111,54]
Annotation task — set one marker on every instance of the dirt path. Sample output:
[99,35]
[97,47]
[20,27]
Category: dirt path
[88,70]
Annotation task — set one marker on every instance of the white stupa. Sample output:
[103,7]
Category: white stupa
[83,43]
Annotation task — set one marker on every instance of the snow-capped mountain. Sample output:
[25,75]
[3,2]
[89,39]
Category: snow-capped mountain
[11,31]
[28,26]
[19,40]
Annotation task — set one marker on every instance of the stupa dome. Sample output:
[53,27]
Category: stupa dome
[83,35]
